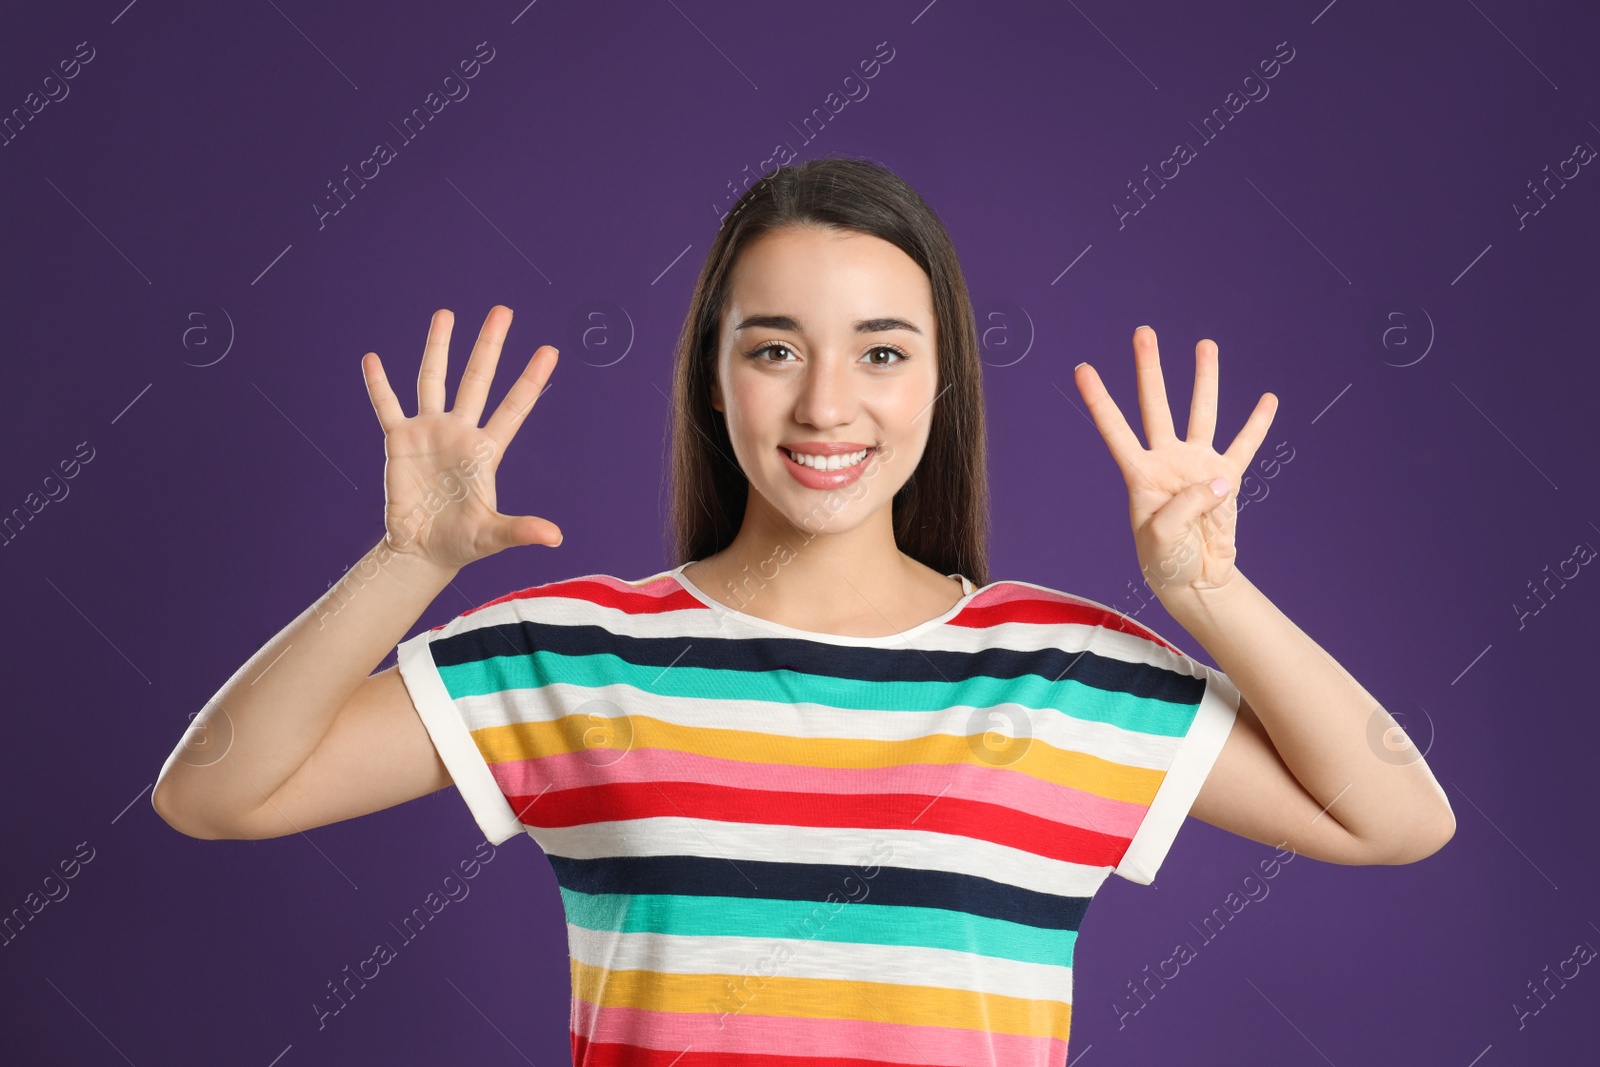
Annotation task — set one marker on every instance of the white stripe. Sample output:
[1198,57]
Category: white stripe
[1219,707]
[783,957]
[781,843]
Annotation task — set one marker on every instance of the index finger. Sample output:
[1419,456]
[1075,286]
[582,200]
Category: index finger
[1249,438]
[523,394]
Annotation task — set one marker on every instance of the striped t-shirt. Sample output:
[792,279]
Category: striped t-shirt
[781,847]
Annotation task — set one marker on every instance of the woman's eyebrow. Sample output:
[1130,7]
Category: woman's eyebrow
[790,323]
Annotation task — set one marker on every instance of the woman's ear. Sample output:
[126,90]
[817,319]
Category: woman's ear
[716,396]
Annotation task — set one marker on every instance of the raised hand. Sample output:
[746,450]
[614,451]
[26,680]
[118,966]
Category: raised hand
[438,479]
[1182,530]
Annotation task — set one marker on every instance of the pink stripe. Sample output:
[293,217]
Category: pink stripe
[994,785]
[901,1042]
[1002,591]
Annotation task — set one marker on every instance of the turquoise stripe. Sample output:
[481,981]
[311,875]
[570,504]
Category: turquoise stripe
[859,923]
[1147,715]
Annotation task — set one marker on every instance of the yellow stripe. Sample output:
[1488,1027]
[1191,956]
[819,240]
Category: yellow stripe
[578,733]
[820,998]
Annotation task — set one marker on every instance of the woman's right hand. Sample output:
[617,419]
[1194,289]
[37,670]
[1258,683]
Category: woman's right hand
[438,479]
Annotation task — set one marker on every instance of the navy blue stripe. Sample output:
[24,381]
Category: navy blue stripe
[763,654]
[759,879]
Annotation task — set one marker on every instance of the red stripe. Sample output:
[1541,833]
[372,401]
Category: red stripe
[974,819]
[614,1054]
[1067,803]
[607,592]
[1002,603]
[1045,612]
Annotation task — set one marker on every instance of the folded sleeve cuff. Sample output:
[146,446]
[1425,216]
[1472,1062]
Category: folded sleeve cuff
[1219,707]
[453,740]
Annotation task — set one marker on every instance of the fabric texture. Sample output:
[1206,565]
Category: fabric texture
[781,847]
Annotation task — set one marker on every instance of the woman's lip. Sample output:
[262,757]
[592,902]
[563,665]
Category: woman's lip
[812,478]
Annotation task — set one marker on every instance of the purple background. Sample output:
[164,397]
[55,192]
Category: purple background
[163,210]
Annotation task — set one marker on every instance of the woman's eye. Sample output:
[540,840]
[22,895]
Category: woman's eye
[773,348]
[889,350]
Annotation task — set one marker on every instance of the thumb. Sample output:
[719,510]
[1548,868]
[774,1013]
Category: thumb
[1200,499]
[1209,496]
[514,531]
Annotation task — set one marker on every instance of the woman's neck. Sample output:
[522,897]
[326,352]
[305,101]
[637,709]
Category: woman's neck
[856,583]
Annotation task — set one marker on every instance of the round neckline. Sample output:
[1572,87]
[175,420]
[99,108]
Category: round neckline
[721,609]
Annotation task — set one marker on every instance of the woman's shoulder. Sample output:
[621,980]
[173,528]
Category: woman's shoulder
[578,599]
[1034,602]
[597,588]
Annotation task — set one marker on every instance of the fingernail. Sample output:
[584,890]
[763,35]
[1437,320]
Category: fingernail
[1138,328]
[1219,486]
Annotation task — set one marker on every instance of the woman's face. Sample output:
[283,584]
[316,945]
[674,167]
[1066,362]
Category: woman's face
[828,339]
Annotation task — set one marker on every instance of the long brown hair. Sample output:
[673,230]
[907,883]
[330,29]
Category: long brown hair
[940,515]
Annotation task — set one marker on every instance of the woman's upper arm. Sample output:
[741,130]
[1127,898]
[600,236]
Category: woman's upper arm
[376,754]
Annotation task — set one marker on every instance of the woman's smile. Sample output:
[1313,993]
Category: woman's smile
[826,471]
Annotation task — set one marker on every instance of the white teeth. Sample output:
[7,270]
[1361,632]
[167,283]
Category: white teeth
[828,463]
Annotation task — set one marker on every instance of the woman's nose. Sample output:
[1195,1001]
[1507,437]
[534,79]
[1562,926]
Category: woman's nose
[825,393]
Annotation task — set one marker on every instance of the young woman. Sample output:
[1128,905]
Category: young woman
[822,792]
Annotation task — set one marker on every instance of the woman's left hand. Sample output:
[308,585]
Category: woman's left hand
[1182,530]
